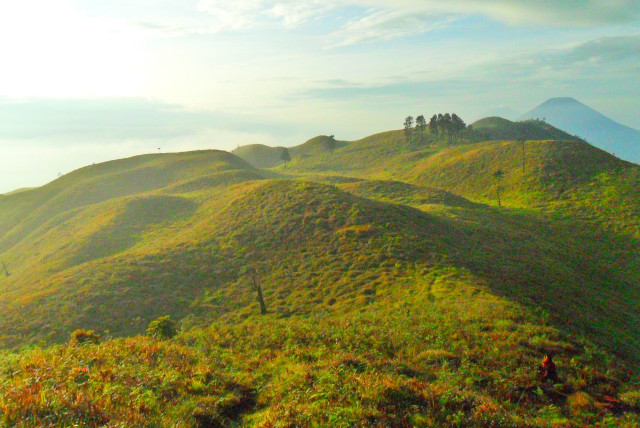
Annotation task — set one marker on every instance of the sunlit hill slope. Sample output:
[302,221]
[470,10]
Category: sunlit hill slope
[399,291]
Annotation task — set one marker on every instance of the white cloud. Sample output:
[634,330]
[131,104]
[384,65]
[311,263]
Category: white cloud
[566,13]
[240,14]
[387,25]
[389,19]
[247,13]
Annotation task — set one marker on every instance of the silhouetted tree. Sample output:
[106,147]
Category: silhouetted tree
[433,125]
[408,127]
[457,124]
[498,175]
[421,125]
[440,123]
[447,125]
[285,156]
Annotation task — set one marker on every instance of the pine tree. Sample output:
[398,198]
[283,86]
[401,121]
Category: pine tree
[408,127]
[285,156]
[421,125]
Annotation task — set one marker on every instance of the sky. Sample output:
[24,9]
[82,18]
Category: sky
[85,81]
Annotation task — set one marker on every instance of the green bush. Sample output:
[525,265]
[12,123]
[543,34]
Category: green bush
[162,328]
[80,337]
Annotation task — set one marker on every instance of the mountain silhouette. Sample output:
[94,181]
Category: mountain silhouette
[579,119]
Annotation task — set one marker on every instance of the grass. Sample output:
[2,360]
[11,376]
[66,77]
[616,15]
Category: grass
[398,292]
[438,350]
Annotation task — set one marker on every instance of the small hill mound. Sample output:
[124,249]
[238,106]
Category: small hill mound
[260,156]
[317,146]
[497,128]
[368,157]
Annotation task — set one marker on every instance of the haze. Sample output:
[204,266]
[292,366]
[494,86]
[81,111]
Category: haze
[83,82]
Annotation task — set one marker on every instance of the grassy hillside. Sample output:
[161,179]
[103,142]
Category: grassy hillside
[398,292]
[184,255]
[259,155]
[22,213]
[17,191]
[557,177]
[317,146]
[497,128]
[434,351]
[262,156]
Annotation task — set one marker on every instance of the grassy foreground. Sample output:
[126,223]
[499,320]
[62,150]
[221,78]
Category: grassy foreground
[446,353]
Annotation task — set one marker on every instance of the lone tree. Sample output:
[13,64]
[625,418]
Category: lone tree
[421,125]
[332,143]
[408,127]
[498,175]
[247,252]
[285,156]
[254,279]
[6,272]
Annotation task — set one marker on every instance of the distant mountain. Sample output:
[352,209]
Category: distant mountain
[576,118]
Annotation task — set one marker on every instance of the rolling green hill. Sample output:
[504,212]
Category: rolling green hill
[497,128]
[262,156]
[259,155]
[398,292]
[317,146]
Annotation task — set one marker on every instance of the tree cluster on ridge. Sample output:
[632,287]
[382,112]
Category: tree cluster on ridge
[442,126]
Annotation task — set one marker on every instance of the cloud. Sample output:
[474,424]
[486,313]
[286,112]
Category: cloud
[584,64]
[241,14]
[618,56]
[566,13]
[389,19]
[388,25]
[160,28]
[605,50]
[113,120]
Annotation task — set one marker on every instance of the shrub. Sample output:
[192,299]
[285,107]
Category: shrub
[581,403]
[80,337]
[162,328]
